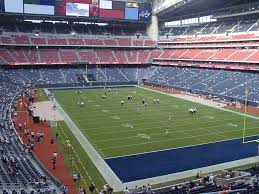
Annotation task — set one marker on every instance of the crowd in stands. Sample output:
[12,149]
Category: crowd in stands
[226,41]
[19,172]
[16,166]
[208,184]
[219,82]
[215,82]
[74,75]
[94,49]
[212,28]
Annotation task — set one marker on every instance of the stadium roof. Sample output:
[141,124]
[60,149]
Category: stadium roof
[190,8]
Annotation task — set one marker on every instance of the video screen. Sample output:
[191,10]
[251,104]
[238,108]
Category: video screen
[85,8]
[77,9]
[14,6]
[109,9]
[40,7]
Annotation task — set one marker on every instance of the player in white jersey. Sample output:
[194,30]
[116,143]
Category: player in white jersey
[167,131]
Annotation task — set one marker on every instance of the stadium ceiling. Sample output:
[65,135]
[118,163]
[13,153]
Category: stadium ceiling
[194,8]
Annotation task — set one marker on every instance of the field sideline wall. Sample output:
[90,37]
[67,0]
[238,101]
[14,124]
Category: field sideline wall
[86,84]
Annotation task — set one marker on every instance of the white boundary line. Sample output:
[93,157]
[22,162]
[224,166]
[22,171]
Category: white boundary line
[112,178]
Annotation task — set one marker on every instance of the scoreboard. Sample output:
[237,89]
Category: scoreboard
[107,9]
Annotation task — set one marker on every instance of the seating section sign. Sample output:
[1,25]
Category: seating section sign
[107,9]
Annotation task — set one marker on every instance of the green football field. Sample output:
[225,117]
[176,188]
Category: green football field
[116,130]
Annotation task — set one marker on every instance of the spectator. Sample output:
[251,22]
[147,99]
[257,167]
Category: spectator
[105,189]
[126,191]
[52,141]
[55,155]
[144,189]
[32,135]
[57,135]
[39,135]
[54,163]
[26,131]
[92,188]
[65,189]
[24,125]
[32,146]
[74,176]
[109,189]
[149,189]
[81,190]
[211,179]
[135,191]
[78,175]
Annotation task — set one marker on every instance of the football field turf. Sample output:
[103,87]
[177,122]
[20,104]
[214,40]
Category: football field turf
[116,130]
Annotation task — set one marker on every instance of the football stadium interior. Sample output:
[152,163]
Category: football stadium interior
[129,96]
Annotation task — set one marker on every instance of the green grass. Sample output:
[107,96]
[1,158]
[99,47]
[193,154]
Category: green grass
[42,95]
[116,130]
